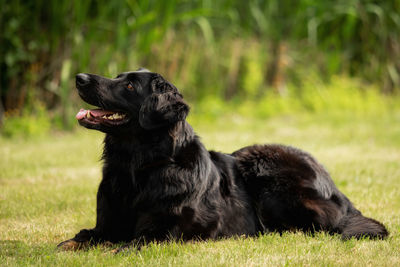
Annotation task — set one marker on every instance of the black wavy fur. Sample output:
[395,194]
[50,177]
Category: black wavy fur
[160,183]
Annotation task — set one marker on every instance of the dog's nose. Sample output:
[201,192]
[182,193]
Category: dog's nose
[82,79]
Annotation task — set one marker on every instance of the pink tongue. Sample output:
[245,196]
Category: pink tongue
[81,114]
[99,112]
[94,112]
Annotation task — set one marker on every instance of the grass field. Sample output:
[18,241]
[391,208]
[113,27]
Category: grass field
[48,188]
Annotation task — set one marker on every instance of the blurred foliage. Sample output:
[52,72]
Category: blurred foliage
[342,96]
[235,50]
[28,124]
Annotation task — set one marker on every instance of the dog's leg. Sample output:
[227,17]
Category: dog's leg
[90,237]
[82,240]
[134,244]
[108,223]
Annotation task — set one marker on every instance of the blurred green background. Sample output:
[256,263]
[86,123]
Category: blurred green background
[255,58]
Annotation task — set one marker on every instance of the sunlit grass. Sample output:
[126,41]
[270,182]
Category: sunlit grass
[48,188]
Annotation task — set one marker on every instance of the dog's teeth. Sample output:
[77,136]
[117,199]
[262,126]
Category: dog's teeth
[114,116]
[88,114]
[119,116]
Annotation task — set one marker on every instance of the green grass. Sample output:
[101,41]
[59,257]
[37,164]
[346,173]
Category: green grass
[48,188]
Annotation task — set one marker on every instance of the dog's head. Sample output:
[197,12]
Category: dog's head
[138,100]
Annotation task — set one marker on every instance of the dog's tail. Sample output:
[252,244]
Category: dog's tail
[356,225]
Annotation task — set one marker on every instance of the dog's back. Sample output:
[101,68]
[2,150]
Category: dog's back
[291,190]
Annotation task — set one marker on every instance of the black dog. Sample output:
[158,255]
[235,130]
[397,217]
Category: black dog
[160,183]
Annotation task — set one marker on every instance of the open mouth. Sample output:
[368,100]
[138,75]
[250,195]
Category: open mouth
[100,116]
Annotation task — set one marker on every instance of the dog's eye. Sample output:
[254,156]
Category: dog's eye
[130,87]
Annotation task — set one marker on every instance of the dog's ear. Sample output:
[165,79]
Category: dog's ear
[164,107]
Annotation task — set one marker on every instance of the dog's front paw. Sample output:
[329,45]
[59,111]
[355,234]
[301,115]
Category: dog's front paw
[123,249]
[127,248]
[71,245]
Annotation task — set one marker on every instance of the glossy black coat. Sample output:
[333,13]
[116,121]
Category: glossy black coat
[160,183]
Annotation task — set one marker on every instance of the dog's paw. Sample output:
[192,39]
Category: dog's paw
[71,245]
[120,250]
[115,251]
[125,249]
